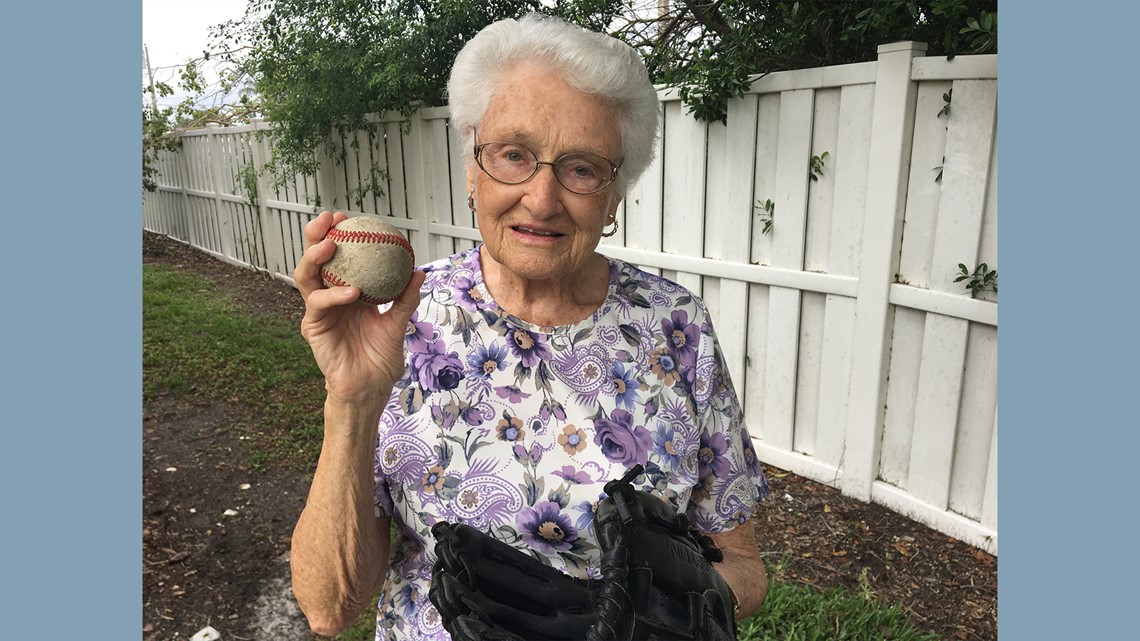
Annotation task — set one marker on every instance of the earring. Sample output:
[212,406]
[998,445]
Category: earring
[613,231]
[471,200]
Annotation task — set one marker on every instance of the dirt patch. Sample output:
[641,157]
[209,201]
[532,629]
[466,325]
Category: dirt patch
[201,567]
[215,532]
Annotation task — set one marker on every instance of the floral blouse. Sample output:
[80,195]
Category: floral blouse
[515,428]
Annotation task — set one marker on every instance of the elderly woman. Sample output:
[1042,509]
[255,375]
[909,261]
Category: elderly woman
[511,381]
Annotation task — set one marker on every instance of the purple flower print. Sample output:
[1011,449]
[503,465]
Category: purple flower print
[475,415]
[658,479]
[432,480]
[710,458]
[545,528]
[586,516]
[404,601]
[530,348]
[532,457]
[417,335]
[681,336]
[624,386]
[703,489]
[434,370]
[664,366]
[510,428]
[666,445]
[487,360]
[467,293]
[445,415]
[620,440]
[572,475]
[511,393]
[750,460]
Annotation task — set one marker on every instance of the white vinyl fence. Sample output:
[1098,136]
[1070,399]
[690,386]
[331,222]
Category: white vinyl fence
[860,362]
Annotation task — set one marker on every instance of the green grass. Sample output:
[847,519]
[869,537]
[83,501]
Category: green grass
[365,627]
[199,344]
[794,612]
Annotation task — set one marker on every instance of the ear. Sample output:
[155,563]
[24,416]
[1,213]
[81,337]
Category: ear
[611,207]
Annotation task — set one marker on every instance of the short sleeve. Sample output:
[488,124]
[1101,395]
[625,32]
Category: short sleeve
[730,481]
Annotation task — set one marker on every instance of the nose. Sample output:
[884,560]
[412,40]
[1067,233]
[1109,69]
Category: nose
[543,191]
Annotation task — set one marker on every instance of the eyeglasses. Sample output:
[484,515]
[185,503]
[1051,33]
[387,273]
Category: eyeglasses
[511,163]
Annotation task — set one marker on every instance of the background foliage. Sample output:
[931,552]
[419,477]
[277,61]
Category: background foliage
[312,67]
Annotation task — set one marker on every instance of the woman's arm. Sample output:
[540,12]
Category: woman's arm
[742,569]
[340,549]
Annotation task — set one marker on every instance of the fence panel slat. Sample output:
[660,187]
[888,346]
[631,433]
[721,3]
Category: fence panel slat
[764,180]
[969,141]
[684,193]
[975,421]
[436,158]
[821,190]
[643,204]
[788,231]
[850,163]
[808,372]
[756,361]
[835,378]
[460,213]
[987,247]
[902,395]
[727,224]
[990,501]
[936,414]
[397,170]
[924,189]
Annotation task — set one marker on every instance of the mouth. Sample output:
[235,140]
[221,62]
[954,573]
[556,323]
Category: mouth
[536,232]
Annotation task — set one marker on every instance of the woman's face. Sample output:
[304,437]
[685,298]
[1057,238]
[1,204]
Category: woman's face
[539,230]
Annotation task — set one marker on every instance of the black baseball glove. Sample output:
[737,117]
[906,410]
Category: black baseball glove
[657,581]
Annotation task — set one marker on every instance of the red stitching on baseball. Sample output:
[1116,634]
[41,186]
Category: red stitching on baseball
[339,282]
[342,236]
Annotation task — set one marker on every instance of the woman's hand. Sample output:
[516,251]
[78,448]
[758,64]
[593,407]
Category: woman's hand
[358,349]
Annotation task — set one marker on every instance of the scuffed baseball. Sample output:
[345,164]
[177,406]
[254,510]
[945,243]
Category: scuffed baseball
[371,255]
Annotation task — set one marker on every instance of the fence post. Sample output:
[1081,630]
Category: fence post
[892,130]
[225,222]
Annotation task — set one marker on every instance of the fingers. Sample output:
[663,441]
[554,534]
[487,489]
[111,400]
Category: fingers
[403,307]
[317,228]
[307,274]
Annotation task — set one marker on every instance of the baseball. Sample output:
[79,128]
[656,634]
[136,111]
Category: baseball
[372,255]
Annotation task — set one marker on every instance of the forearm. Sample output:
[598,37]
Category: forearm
[742,568]
[340,549]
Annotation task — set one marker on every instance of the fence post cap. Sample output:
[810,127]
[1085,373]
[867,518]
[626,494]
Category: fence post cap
[903,45]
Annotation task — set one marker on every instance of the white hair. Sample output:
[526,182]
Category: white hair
[593,63]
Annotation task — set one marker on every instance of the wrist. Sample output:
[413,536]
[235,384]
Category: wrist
[353,415]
